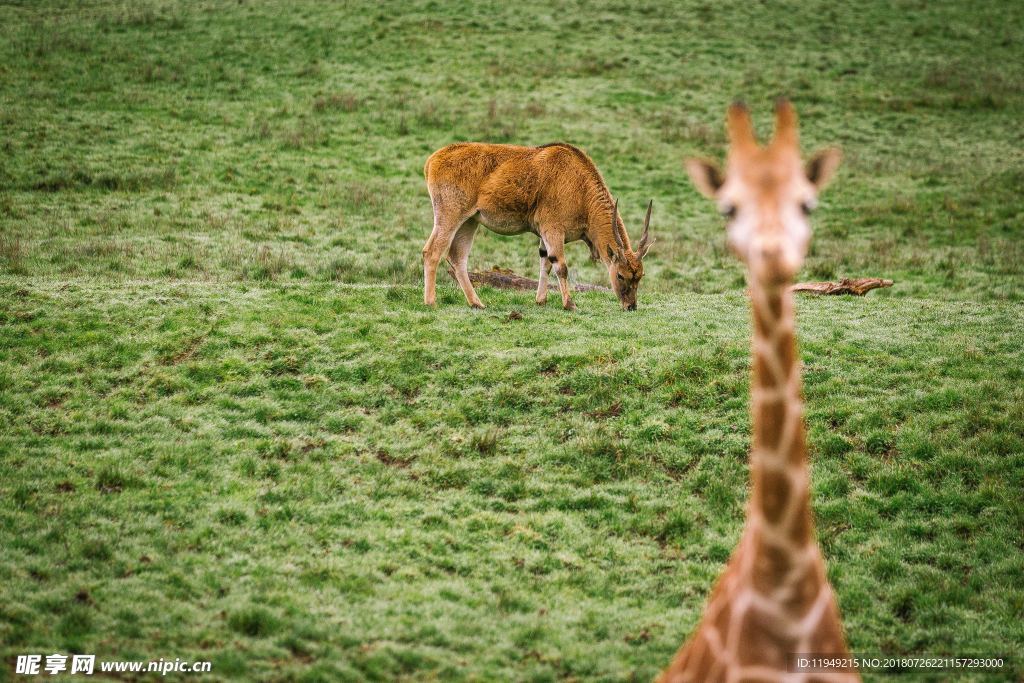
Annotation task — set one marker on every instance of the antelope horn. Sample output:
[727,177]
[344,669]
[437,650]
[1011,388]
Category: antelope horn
[740,127]
[647,227]
[615,227]
[786,132]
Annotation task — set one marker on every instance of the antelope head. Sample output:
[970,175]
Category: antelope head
[625,266]
[767,193]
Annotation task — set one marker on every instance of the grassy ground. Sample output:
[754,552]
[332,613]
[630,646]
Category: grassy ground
[231,432]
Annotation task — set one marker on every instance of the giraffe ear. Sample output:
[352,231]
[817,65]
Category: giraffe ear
[822,167]
[705,176]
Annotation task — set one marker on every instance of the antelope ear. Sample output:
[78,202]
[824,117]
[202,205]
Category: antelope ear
[822,167]
[705,176]
[612,253]
[644,249]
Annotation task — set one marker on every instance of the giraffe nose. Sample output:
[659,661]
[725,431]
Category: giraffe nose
[775,262]
[770,252]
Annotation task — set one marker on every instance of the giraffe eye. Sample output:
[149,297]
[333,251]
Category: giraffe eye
[728,211]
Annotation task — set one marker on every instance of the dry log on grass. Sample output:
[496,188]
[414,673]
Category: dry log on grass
[503,278]
[856,286]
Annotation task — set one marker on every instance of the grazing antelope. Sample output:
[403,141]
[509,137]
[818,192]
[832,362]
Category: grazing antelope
[554,191]
[774,599]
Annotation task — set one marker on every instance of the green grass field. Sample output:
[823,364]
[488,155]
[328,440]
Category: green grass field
[230,431]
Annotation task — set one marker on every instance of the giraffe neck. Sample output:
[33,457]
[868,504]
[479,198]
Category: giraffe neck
[780,498]
[774,599]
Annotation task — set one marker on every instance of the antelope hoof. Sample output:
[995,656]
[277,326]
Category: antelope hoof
[477,304]
[541,301]
[569,306]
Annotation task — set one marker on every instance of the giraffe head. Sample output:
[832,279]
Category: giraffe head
[766,193]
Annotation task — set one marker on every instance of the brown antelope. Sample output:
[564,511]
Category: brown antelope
[554,191]
[774,599]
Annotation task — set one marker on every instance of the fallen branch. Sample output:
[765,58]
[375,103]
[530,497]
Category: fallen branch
[856,286]
[503,278]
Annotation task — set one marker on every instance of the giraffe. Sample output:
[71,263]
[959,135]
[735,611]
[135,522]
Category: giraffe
[773,600]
